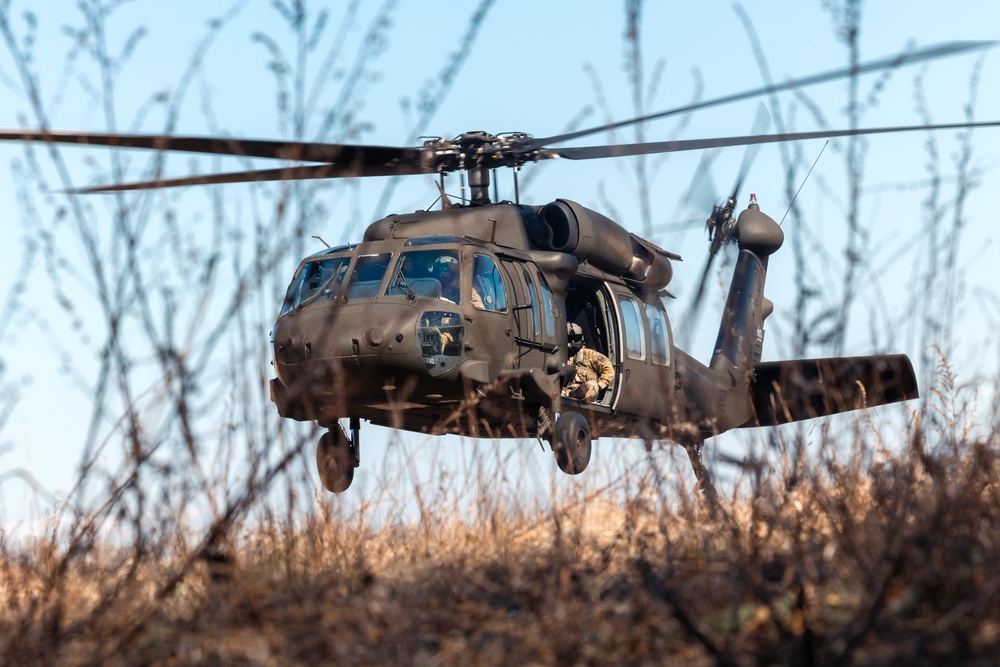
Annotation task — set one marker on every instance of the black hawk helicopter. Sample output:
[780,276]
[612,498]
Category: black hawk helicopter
[456,320]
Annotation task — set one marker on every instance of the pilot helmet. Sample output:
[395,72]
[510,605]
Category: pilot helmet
[447,264]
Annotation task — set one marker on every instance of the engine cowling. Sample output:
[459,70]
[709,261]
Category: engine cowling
[593,237]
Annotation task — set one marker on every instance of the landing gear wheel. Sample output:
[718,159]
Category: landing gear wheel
[335,460]
[571,443]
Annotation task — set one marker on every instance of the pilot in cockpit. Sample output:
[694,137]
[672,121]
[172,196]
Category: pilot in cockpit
[448,275]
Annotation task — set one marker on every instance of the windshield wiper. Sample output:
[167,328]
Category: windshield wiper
[400,280]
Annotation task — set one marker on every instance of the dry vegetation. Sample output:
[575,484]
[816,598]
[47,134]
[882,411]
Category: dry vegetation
[875,557]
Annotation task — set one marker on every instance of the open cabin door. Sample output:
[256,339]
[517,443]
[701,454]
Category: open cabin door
[591,305]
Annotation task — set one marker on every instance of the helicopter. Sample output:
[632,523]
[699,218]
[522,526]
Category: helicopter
[460,320]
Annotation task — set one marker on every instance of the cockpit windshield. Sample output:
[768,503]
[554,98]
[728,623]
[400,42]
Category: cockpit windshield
[367,276]
[316,279]
[433,273]
[418,272]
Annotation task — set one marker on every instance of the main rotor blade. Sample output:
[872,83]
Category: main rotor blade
[900,60]
[622,150]
[282,150]
[287,174]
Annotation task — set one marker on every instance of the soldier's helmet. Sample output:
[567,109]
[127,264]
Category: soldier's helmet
[574,335]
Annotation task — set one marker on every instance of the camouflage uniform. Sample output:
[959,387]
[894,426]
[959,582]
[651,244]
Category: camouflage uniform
[594,372]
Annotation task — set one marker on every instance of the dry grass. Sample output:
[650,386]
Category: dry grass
[886,558]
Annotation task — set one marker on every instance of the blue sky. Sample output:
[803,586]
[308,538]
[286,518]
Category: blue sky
[533,67]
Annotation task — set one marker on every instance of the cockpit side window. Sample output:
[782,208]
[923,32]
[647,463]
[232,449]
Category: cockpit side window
[367,276]
[488,292]
[316,279]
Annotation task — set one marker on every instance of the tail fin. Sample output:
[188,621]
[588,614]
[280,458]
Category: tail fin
[741,332]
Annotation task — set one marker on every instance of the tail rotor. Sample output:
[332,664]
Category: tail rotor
[721,224]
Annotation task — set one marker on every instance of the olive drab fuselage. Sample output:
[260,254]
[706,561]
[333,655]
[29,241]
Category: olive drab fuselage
[454,321]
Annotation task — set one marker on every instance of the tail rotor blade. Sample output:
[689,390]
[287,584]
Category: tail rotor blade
[701,193]
[760,125]
[694,309]
[700,292]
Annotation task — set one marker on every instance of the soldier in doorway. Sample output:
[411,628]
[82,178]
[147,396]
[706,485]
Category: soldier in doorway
[594,371]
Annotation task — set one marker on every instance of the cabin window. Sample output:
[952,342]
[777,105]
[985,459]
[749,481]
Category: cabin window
[548,312]
[432,273]
[316,279]
[488,292]
[535,319]
[635,341]
[367,276]
[659,346]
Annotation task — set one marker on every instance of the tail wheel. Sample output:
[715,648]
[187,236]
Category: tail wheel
[335,460]
[571,443]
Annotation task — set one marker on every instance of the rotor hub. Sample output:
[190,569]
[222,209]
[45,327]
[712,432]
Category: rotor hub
[474,150]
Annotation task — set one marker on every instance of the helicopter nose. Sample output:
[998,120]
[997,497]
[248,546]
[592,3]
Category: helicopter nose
[345,331]
[369,341]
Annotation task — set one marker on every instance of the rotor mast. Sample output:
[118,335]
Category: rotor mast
[479,185]
[474,150]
